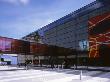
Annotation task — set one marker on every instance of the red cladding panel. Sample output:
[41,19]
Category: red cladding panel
[99,33]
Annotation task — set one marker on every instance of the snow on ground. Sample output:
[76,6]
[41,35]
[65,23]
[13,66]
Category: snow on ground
[15,74]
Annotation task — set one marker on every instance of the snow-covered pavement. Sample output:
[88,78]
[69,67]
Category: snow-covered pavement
[14,74]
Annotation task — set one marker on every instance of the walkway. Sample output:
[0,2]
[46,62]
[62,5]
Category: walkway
[14,74]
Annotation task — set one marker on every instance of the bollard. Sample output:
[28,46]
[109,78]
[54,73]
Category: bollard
[81,75]
[26,67]
[58,67]
[74,66]
[62,67]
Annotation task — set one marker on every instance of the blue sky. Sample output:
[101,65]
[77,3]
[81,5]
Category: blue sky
[20,17]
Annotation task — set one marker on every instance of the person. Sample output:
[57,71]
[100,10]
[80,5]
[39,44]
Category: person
[18,64]
[51,61]
[66,63]
[26,67]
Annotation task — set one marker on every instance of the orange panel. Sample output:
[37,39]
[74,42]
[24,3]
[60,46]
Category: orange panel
[99,33]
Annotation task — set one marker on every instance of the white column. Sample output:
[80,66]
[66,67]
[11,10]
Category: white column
[32,59]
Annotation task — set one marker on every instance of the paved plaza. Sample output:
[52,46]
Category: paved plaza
[38,74]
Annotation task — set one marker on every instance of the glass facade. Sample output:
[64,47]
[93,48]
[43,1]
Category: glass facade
[71,31]
[11,46]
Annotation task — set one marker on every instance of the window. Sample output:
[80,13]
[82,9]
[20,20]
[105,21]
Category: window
[83,45]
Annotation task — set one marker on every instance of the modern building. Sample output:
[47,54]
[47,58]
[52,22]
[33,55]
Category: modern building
[73,30]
